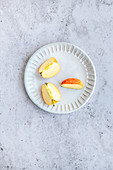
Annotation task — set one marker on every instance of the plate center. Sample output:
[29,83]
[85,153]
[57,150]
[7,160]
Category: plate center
[71,67]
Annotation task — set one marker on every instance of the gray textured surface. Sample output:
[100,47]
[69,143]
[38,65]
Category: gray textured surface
[31,139]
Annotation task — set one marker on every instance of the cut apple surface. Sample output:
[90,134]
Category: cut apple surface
[50,94]
[72,83]
[49,68]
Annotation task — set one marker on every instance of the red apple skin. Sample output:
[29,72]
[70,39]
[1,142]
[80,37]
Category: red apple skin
[72,81]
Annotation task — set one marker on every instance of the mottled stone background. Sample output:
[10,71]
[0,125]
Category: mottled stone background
[31,139]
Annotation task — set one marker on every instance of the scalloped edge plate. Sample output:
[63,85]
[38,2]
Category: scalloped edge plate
[79,64]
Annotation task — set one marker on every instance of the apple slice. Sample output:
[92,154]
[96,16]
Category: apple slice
[49,68]
[72,83]
[50,94]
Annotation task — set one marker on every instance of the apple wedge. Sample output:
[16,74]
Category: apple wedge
[72,83]
[49,68]
[50,94]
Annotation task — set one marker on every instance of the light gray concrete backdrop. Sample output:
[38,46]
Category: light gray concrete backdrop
[31,139]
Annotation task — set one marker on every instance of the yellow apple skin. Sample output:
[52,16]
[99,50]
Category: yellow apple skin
[49,68]
[50,94]
[46,96]
[72,83]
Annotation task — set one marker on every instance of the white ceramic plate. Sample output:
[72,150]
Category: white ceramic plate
[74,63]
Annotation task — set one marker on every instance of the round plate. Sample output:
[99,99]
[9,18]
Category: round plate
[74,63]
